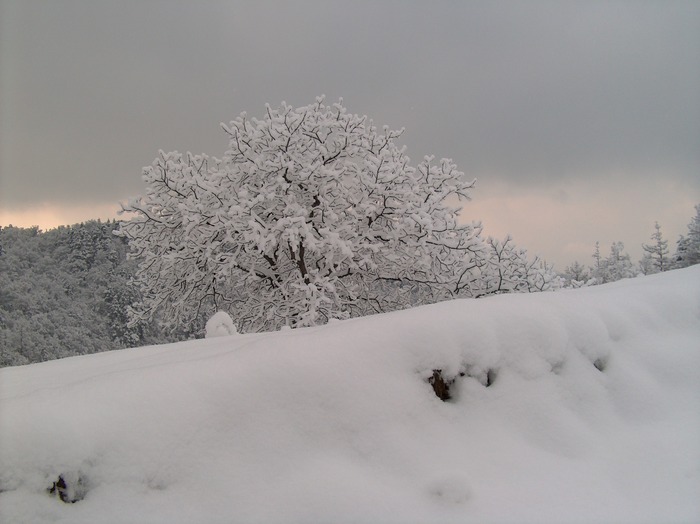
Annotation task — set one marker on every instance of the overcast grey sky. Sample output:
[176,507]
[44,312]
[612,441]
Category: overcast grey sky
[580,120]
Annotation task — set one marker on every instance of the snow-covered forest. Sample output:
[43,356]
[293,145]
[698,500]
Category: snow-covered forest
[65,292]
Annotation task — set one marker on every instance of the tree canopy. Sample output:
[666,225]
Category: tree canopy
[313,213]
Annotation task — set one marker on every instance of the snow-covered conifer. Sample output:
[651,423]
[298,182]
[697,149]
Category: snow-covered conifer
[688,246]
[598,269]
[577,275]
[618,265]
[657,252]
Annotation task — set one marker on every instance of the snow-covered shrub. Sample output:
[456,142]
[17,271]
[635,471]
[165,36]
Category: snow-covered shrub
[220,325]
[69,487]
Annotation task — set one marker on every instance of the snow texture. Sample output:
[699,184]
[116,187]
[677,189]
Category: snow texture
[220,325]
[574,406]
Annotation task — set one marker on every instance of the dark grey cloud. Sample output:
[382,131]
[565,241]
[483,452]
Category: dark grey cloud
[527,94]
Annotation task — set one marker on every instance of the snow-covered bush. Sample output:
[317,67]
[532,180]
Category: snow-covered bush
[220,325]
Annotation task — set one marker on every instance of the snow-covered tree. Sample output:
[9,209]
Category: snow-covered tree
[598,269]
[313,213]
[618,265]
[507,269]
[688,246]
[577,275]
[657,253]
[646,265]
[65,292]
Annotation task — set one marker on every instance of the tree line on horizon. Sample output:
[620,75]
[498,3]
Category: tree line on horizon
[657,258]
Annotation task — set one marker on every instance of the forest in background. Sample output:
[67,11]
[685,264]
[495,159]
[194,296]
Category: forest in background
[65,292]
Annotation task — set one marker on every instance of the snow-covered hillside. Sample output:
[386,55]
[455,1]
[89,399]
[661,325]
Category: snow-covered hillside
[574,406]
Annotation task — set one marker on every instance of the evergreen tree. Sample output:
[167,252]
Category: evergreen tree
[598,269]
[688,246]
[618,265]
[657,252]
[576,275]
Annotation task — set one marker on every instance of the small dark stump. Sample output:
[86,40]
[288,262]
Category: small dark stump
[600,364]
[68,492]
[441,387]
[491,375]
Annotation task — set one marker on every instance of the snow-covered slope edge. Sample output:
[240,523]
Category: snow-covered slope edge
[338,423]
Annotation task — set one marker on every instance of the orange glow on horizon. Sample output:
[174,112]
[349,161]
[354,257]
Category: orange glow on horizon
[50,216]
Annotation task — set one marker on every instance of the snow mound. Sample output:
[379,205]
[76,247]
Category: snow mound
[220,325]
[574,406]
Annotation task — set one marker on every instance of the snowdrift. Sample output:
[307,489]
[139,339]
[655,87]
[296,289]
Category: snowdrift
[574,406]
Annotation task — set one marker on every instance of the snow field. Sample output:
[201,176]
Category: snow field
[574,406]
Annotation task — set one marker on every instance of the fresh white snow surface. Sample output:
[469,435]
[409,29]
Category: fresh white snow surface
[338,423]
